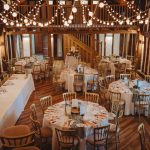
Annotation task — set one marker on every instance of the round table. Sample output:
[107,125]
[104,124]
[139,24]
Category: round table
[126,94]
[55,117]
[68,75]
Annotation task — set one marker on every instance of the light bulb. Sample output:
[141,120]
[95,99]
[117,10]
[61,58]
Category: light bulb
[26,20]
[69,21]
[74,9]
[90,22]
[71,17]
[146,21]
[128,21]
[90,13]
[5,20]
[14,14]
[141,22]
[138,17]
[101,4]
[34,23]
[6,6]
[112,23]
[12,23]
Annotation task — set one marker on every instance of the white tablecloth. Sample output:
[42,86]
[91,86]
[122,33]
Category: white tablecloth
[55,117]
[126,94]
[12,102]
[120,60]
[68,76]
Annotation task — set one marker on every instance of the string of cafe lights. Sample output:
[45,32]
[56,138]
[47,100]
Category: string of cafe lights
[27,21]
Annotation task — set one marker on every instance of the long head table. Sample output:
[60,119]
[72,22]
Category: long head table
[14,95]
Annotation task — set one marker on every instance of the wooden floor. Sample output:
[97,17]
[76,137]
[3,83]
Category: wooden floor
[129,138]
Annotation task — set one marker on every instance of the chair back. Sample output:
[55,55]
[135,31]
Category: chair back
[102,82]
[79,78]
[69,96]
[101,134]
[92,97]
[141,131]
[66,137]
[17,136]
[122,76]
[36,68]
[36,126]
[18,68]
[110,79]
[115,107]
[114,96]
[147,78]
[46,102]
[143,99]
[33,111]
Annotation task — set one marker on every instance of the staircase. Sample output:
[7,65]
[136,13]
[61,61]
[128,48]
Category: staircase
[83,44]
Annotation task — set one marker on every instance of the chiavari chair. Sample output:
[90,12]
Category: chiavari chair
[92,97]
[99,138]
[45,102]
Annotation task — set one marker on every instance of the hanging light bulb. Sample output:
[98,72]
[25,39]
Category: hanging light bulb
[34,23]
[128,21]
[26,20]
[5,20]
[112,24]
[69,21]
[138,17]
[12,23]
[71,17]
[74,9]
[14,14]
[90,23]
[101,4]
[146,21]
[90,13]
[6,6]
[141,22]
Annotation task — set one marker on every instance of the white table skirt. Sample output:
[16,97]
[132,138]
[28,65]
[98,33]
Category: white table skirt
[13,101]
[68,76]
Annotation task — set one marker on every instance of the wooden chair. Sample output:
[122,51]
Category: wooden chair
[27,148]
[102,83]
[142,103]
[17,136]
[33,111]
[69,96]
[115,129]
[46,102]
[43,134]
[116,96]
[67,139]
[99,138]
[36,71]
[114,110]
[48,69]
[122,76]
[78,82]
[110,79]
[58,82]
[19,69]
[147,78]
[141,131]
[92,97]
[92,83]
[120,69]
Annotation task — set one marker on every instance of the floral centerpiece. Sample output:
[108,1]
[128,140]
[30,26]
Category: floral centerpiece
[73,52]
